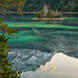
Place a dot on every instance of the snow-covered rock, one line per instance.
(60, 66)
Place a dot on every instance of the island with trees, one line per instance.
(46, 14)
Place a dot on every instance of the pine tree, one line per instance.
(6, 70)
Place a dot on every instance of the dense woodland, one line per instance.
(37, 5)
(64, 5)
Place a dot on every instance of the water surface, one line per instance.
(38, 43)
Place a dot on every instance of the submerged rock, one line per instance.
(27, 59)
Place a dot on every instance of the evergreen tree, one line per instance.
(5, 66)
(9, 5)
(6, 70)
(64, 5)
(6, 29)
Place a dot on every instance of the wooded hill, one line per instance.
(64, 5)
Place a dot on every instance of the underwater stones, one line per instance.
(28, 59)
(32, 60)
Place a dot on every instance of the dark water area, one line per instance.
(16, 17)
(70, 15)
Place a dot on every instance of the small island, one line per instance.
(46, 14)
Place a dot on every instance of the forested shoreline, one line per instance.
(64, 5)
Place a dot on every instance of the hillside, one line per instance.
(64, 5)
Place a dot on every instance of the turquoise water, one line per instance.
(37, 32)
(37, 42)
(23, 36)
(34, 34)
(72, 18)
(38, 25)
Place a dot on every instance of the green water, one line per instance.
(35, 31)
(25, 36)
(38, 25)
(38, 35)
(72, 18)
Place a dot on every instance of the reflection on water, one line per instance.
(60, 66)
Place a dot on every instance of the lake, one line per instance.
(39, 42)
